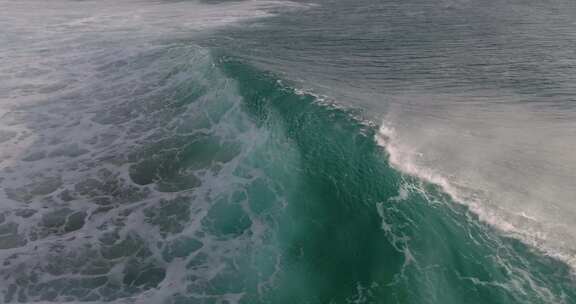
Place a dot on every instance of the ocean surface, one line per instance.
(275, 151)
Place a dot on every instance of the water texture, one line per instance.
(287, 152)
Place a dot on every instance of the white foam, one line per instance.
(85, 86)
(526, 228)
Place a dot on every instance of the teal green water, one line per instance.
(348, 233)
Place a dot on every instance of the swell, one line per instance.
(373, 233)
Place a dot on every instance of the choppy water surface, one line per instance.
(288, 152)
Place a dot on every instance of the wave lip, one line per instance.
(519, 226)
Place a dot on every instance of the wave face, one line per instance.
(361, 231)
(151, 153)
(474, 96)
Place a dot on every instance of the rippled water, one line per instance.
(287, 152)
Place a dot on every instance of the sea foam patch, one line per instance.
(122, 155)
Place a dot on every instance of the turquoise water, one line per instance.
(357, 230)
(283, 152)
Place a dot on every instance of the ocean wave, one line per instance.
(141, 169)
